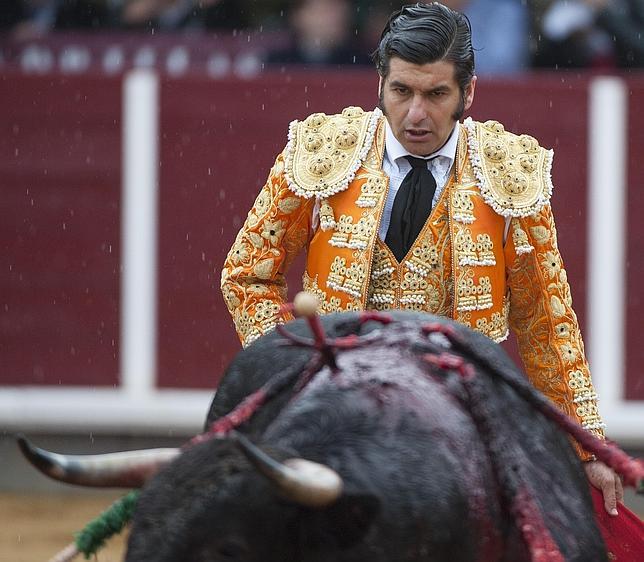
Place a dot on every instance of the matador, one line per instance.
(486, 255)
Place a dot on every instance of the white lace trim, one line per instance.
(413, 299)
(594, 425)
(503, 337)
(465, 219)
(423, 272)
(590, 396)
(524, 249)
(358, 245)
(472, 261)
(380, 272)
(327, 224)
(381, 299)
(473, 307)
(341, 288)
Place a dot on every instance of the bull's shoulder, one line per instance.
(513, 171)
(325, 151)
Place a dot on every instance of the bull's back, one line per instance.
(394, 428)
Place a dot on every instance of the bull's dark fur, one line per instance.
(420, 483)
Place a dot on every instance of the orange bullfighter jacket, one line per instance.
(487, 256)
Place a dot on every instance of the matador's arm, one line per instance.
(253, 276)
(546, 326)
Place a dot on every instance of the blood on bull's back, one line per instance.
(431, 469)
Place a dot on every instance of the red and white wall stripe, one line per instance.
(125, 192)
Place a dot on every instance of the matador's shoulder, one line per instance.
(513, 171)
(325, 151)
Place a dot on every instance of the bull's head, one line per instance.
(216, 496)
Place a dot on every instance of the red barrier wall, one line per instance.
(634, 367)
(60, 167)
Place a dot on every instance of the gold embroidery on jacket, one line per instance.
(371, 191)
(384, 284)
(585, 396)
(327, 305)
(325, 151)
(349, 271)
(252, 280)
(479, 275)
(520, 239)
(513, 172)
(472, 295)
(423, 281)
(346, 278)
(485, 247)
(464, 247)
(343, 227)
(471, 253)
(463, 208)
(327, 219)
(496, 328)
(337, 275)
(354, 236)
(548, 351)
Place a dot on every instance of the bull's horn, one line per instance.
(128, 469)
(305, 482)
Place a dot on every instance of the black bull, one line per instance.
(439, 456)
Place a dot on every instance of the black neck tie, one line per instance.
(412, 206)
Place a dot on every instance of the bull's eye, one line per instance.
(232, 549)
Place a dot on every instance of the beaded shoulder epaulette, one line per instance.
(325, 151)
(513, 171)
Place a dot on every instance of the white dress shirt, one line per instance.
(396, 166)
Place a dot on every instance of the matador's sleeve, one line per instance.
(546, 326)
(252, 278)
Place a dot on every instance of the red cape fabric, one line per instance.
(623, 534)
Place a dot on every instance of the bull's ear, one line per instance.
(350, 518)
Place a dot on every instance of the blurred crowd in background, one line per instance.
(509, 36)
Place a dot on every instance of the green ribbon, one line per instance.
(109, 523)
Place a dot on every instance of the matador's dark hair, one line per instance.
(426, 33)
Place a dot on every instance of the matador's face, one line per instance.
(421, 102)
